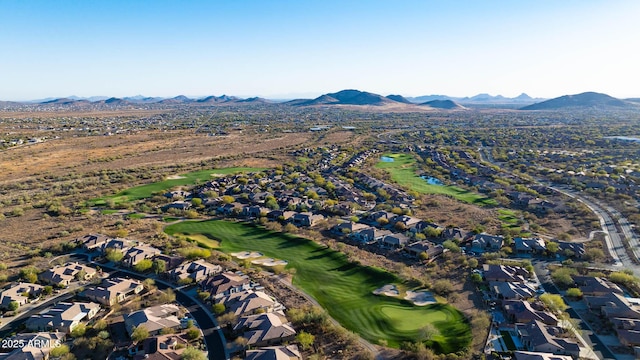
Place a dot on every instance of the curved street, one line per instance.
(212, 334)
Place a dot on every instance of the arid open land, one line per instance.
(351, 226)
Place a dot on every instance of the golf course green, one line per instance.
(403, 172)
(343, 288)
(147, 190)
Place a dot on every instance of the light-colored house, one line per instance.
(485, 242)
(512, 291)
(117, 244)
(628, 331)
(454, 234)
(63, 317)
(530, 355)
(504, 273)
(348, 228)
(280, 215)
(536, 336)
(65, 274)
(306, 219)
(576, 250)
(197, 270)
(21, 293)
(138, 253)
(529, 245)
(161, 347)
(154, 319)
(31, 346)
(408, 222)
(93, 241)
(285, 352)
(596, 286)
(249, 302)
(369, 235)
(520, 311)
(265, 329)
(432, 250)
(396, 241)
(114, 290)
(225, 284)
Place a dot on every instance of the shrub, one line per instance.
(219, 308)
(574, 293)
(139, 334)
(305, 339)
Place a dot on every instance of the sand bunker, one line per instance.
(387, 290)
(247, 255)
(269, 262)
(420, 298)
(175, 177)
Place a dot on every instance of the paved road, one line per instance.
(601, 350)
(212, 334)
(12, 325)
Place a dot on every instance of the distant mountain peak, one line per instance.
(399, 98)
(443, 104)
(585, 100)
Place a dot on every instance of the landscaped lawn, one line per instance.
(344, 289)
(146, 191)
(403, 171)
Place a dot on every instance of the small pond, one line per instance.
(432, 181)
(386, 159)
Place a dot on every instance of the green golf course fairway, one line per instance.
(344, 289)
(403, 171)
(146, 191)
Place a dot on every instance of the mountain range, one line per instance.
(356, 98)
(592, 100)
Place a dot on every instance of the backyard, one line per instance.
(343, 288)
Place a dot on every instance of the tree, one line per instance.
(442, 287)
(80, 275)
(100, 325)
(79, 330)
(553, 302)
(204, 295)
(228, 199)
(473, 263)
(47, 290)
(452, 246)
(562, 276)
(594, 255)
(140, 333)
(193, 333)
(476, 278)
(197, 202)
(159, 266)
(552, 247)
(113, 255)
(219, 308)
(13, 306)
(29, 274)
(427, 332)
(305, 339)
(191, 353)
(143, 265)
(59, 351)
(289, 228)
(574, 293)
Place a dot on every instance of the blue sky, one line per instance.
(285, 49)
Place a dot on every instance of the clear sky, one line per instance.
(285, 49)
